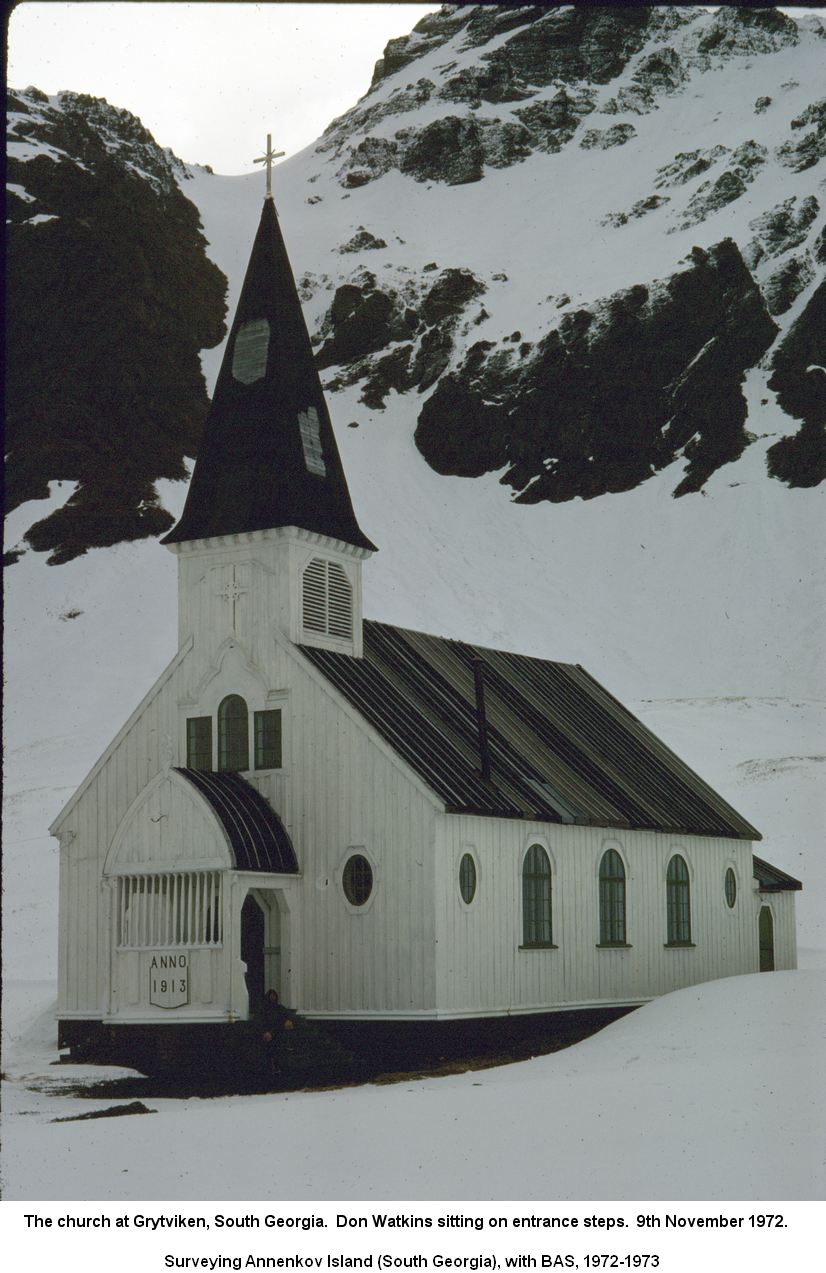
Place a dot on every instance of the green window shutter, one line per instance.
(233, 734)
(268, 739)
(199, 742)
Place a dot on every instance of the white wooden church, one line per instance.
(380, 824)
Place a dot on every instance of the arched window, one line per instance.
(233, 734)
(611, 899)
(536, 898)
(678, 902)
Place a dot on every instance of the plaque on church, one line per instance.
(249, 357)
(168, 979)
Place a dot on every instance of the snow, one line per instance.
(710, 1092)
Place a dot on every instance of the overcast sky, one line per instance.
(211, 79)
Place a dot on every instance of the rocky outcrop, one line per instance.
(799, 381)
(803, 151)
(113, 297)
(781, 228)
(618, 391)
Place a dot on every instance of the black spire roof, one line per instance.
(268, 456)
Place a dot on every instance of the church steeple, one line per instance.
(268, 457)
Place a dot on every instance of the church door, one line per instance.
(252, 950)
(766, 929)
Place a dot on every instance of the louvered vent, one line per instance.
(327, 599)
(315, 596)
(339, 602)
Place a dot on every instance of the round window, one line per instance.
(467, 879)
(357, 879)
(730, 886)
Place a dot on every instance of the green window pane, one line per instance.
(536, 898)
(199, 742)
(268, 740)
(233, 734)
(678, 902)
(611, 899)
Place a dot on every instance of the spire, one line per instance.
(268, 456)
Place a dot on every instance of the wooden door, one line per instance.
(252, 951)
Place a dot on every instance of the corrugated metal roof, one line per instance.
(562, 749)
(773, 880)
(256, 833)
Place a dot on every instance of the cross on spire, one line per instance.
(267, 160)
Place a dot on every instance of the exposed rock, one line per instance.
(799, 381)
(638, 209)
(662, 72)
(730, 185)
(603, 139)
(449, 295)
(739, 32)
(801, 153)
(663, 365)
(493, 82)
(689, 164)
(454, 149)
(116, 291)
(819, 249)
(782, 288)
(362, 241)
(552, 123)
(783, 227)
(762, 104)
(371, 158)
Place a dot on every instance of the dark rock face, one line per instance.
(802, 152)
(552, 123)
(615, 393)
(799, 380)
(782, 288)
(783, 227)
(730, 185)
(113, 299)
(364, 320)
(603, 139)
(362, 241)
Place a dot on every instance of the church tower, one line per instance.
(268, 513)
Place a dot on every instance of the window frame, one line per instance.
(678, 902)
(353, 855)
(613, 901)
(537, 899)
(193, 749)
(235, 739)
(464, 876)
(730, 874)
(258, 716)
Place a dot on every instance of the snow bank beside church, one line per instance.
(711, 1092)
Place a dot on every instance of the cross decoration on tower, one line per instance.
(267, 159)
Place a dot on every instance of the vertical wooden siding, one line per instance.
(482, 968)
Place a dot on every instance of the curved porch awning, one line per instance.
(255, 832)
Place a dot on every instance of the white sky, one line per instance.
(210, 79)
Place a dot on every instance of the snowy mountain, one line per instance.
(559, 266)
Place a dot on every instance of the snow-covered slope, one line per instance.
(698, 1069)
(705, 613)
